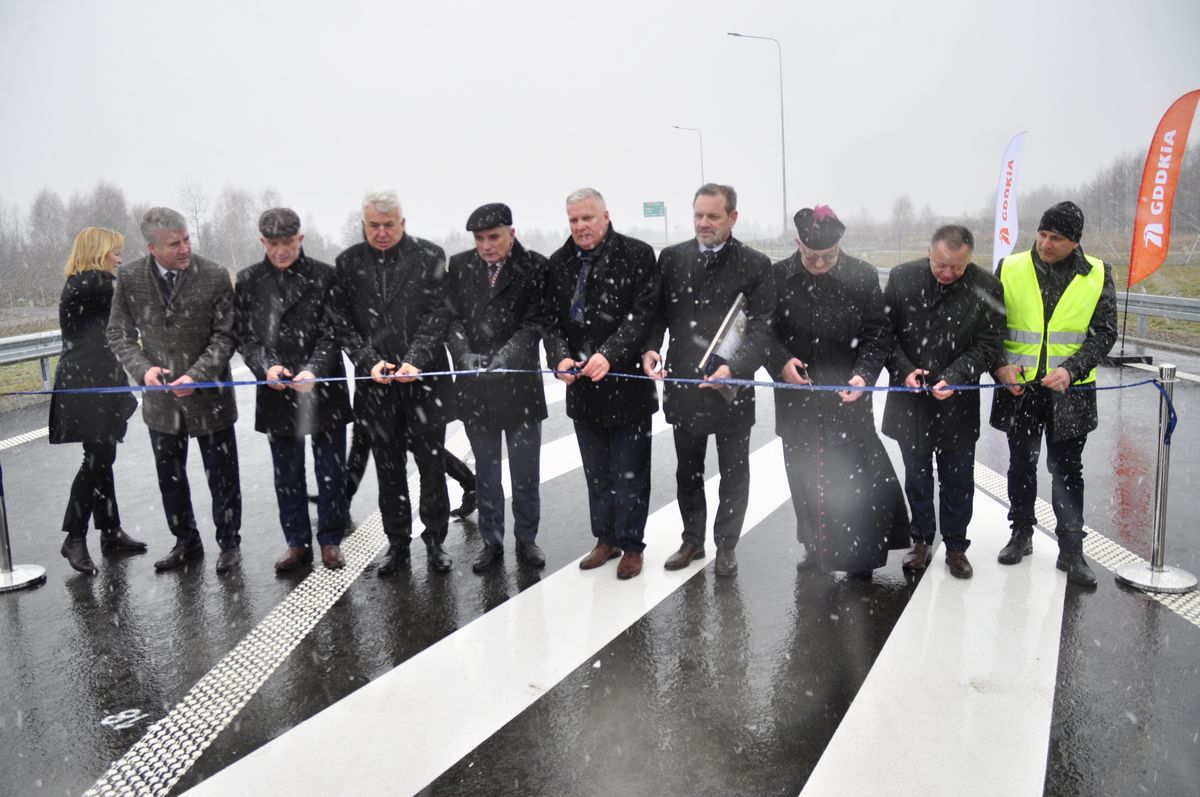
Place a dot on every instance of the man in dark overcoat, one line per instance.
(1061, 321)
(601, 296)
(282, 337)
(495, 295)
(946, 313)
(701, 281)
(389, 313)
(172, 324)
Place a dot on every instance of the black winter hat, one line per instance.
(818, 228)
(485, 217)
(1065, 218)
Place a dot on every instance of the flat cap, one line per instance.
(485, 217)
(278, 223)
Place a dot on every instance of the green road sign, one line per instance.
(654, 209)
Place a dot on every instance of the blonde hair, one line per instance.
(91, 247)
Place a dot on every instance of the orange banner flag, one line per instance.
(1152, 225)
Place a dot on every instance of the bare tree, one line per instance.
(194, 203)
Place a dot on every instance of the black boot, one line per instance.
(117, 540)
(1020, 545)
(395, 558)
(74, 550)
(439, 560)
(1071, 560)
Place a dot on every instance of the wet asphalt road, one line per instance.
(734, 684)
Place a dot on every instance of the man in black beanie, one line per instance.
(1062, 321)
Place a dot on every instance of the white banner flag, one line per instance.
(1006, 200)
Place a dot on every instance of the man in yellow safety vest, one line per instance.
(1062, 321)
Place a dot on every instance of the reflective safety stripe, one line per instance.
(1023, 360)
(1053, 362)
(1021, 336)
(1068, 337)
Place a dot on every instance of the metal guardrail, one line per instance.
(40, 346)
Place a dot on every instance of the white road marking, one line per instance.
(1154, 370)
(28, 437)
(502, 662)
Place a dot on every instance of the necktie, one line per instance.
(580, 288)
(710, 257)
(493, 273)
(171, 277)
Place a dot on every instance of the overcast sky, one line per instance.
(455, 104)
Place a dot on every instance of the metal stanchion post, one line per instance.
(18, 576)
(1156, 576)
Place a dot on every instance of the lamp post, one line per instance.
(782, 136)
(701, 135)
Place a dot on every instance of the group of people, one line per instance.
(613, 320)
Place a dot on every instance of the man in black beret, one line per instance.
(280, 322)
(1062, 321)
(494, 292)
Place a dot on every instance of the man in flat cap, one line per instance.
(601, 297)
(389, 314)
(495, 297)
(702, 280)
(172, 324)
(282, 335)
(1062, 321)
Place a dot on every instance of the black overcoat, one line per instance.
(836, 323)
(280, 320)
(694, 300)
(501, 324)
(408, 325)
(621, 297)
(86, 361)
(954, 332)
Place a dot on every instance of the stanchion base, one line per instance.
(22, 576)
(1143, 577)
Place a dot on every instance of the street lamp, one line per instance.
(787, 219)
(701, 135)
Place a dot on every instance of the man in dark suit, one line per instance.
(495, 295)
(282, 336)
(702, 279)
(601, 296)
(180, 305)
(946, 313)
(389, 313)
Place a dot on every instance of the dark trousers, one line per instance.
(616, 464)
(219, 453)
(524, 444)
(733, 462)
(360, 452)
(1064, 459)
(291, 486)
(391, 459)
(956, 494)
(93, 492)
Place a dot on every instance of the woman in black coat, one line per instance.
(832, 329)
(96, 420)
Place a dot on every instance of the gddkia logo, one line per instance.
(1005, 236)
(1152, 235)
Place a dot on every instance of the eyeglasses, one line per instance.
(828, 258)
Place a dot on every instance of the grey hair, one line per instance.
(382, 200)
(157, 220)
(580, 194)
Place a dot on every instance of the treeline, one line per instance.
(34, 244)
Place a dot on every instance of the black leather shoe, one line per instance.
(531, 554)
(229, 559)
(439, 560)
(393, 560)
(74, 550)
(489, 557)
(117, 540)
(466, 507)
(181, 553)
(1020, 545)
(687, 553)
(726, 562)
(957, 562)
(1076, 567)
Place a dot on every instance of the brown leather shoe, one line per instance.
(686, 554)
(919, 557)
(630, 565)
(295, 556)
(958, 564)
(331, 557)
(599, 555)
(726, 562)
